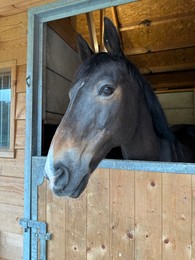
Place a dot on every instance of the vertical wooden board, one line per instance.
(193, 217)
(56, 225)
(122, 214)
(148, 215)
(42, 201)
(177, 218)
(20, 134)
(21, 106)
(13, 167)
(21, 79)
(76, 228)
(11, 245)
(11, 190)
(98, 215)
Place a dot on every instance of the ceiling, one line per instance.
(157, 36)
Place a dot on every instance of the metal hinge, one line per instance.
(40, 227)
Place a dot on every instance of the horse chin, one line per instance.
(73, 193)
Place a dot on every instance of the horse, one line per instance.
(111, 105)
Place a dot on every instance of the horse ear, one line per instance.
(84, 50)
(111, 38)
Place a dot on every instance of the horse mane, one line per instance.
(159, 120)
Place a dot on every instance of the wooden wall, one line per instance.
(123, 215)
(61, 64)
(179, 107)
(13, 39)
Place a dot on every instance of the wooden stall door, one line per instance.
(123, 215)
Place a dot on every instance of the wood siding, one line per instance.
(13, 41)
(179, 107)
(123, 215)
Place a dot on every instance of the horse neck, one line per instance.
(146, 144)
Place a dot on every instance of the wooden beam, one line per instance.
(170, 68)
(159, 48)
(92, 31)
(157, 21)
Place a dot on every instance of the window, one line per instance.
(7, 108)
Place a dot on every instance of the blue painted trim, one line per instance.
(164, 167)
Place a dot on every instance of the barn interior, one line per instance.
(158, 37)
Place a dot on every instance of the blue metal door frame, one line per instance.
(37, 17)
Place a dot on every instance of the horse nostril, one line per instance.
(61, 178)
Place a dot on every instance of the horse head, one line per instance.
(97, 118)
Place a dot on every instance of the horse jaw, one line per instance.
(68, 172)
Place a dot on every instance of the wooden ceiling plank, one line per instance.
(92, 31)
(157, 21)
(170, 68)
(160, 48)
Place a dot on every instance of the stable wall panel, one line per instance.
(13, 167)
(20, 134)
(13, 28)
(20, 106)
(15, 242)
(123, 214)
(11, 190)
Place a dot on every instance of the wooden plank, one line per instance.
(98, 244)
(122, 199)
(14, 50)
(140, 11)
(69, 60)
(11, 190)
(9, 217)
(92, 32)
(76, 235)
(65, 30)
(11, 245)
(176, 100)
(21, 6)
(148, 195)
(165, 59)
(20, 106)
(20, 134)
(180, 116)
(13, 27)
(56, 224)
(193, 216)
(177, 217)
(21, 79)
(13, 167)
(57, 93)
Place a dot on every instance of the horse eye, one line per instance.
(106, 90)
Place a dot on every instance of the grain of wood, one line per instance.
(148, 192)
(122, 199)
(193, 217)
(13, 167)
(55, 209)
(76, 218)
(21, 106)
(177, 217)
(98, 209)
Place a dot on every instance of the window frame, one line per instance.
(10, 152)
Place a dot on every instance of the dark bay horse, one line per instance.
(111, 105)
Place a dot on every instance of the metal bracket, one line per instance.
(41, 228)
